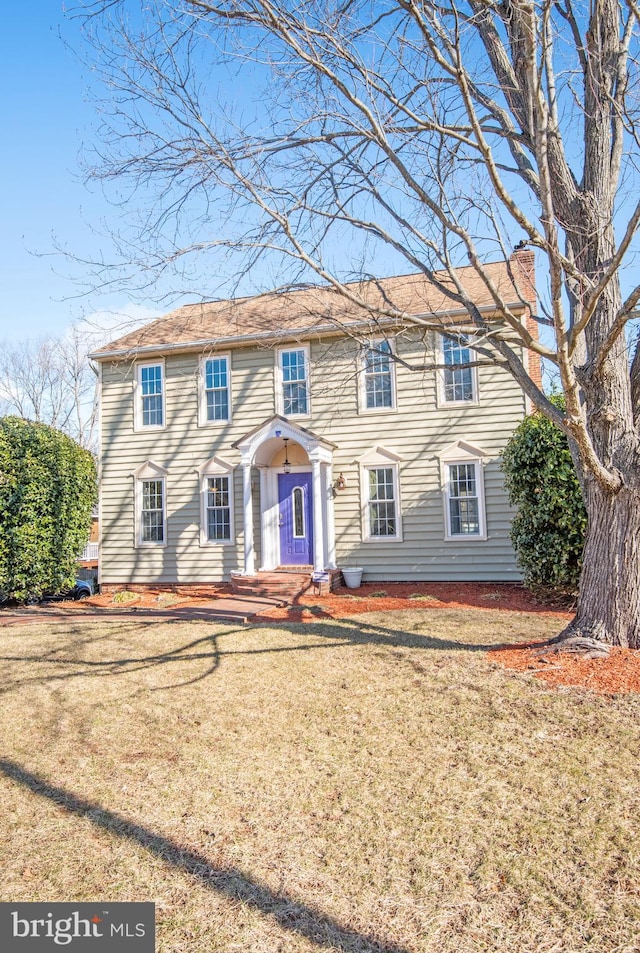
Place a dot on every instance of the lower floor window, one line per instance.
(382, 502)
(152, 512)
(463, 499)
(218, 508)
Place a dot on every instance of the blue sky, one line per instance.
(48, 118)
(45, 119)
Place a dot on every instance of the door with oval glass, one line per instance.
(296, 528)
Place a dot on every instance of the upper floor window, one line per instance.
(293, 398)
(149, 411)
(378, 391)
(215, 389)
(459, 382)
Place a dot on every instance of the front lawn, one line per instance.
(370, 784)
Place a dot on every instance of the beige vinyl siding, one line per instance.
(181, 447)
(417, 430)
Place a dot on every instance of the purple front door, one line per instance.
(296, 529)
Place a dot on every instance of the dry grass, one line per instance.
(375, 784)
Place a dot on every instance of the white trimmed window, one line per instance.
(152, 511)
(458, 383)
(149, 396)
(216, 508)
(215, 389)
(380, 489)
(463, 491)
(382, 504)
(293, 394)
(378, 386)
(150, 491)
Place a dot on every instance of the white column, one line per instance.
(331, 525)
(266, 535)
(318, 535)
(249, 554)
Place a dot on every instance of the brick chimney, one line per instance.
(523, 267)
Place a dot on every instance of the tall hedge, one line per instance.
(47, 491)
(550, 522)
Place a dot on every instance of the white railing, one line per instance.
(90, 552)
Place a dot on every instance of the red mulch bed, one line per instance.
(370, 597)
(385, 596)
(618, 673)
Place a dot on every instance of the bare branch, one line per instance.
(409, 134)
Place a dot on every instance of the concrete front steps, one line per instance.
(286, 584)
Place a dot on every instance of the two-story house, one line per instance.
(299, 430)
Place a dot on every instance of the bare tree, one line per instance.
(427, 135)
(51, 381)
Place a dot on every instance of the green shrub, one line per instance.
(47, 491)
(549, 526)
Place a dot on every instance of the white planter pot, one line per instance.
(352, 577)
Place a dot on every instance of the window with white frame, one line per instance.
(380, 487)
(215, 389)
(149, 410)
(216, 492)
(464, 503)
(463, 490)
(378, 383)
(381, 502)
(152, 512)
(293, 367)
(150, 505)
(218, 507)
(459, 382)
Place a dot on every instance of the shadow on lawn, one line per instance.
(227, 881)
(326, 634)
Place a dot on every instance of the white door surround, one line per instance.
(259, 448)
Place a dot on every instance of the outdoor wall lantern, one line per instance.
(341, 482)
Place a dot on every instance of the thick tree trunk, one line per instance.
(609, 601)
